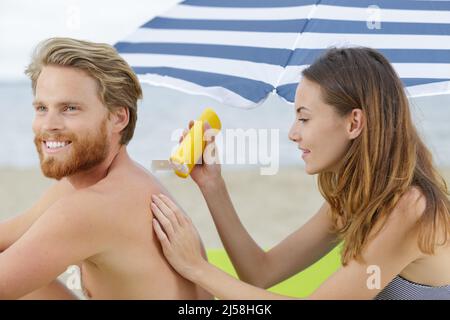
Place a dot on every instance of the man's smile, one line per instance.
(52, 146)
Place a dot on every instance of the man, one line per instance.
(97, 214)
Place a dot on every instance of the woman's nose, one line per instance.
(293, 134)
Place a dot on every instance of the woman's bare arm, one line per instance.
(255, 266)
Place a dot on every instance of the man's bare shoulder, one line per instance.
(125, 191)
(55, 192)
(81, 203)
(127, 182)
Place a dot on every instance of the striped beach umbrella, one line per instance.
(240, 51)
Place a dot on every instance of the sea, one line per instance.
(163, 113)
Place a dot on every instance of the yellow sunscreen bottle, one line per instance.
(191, 148)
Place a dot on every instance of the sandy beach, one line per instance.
(269, 206)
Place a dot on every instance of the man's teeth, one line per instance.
(56, 144)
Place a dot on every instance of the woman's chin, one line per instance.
(309, 170)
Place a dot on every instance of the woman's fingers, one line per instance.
(160, 234)
(166, 210)
(210, 154)
(163, 221)
(186, 131)
(172, 206)
(206, 126)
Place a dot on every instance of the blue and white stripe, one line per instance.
(402, 289)
(239, 52)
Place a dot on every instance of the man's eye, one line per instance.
(70, 108)
(303, 120)
(41, 109)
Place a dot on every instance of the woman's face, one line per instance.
(321, 134)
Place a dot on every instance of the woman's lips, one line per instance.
(305, 152)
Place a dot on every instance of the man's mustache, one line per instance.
(54, 137)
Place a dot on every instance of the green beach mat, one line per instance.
(300, 285)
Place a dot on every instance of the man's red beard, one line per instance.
(86, 152)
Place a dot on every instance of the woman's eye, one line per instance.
(303, 120)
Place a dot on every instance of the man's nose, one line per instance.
(52, 122)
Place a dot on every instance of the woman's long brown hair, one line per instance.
(385, 160)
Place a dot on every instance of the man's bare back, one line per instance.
(128, 263)
(134, 266)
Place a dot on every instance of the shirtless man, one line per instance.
(97, 214)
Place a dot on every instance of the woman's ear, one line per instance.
(121, 117)
(356, 123)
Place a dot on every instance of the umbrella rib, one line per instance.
(308, 19)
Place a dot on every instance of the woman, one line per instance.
(384, 198)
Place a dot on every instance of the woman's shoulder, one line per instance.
(406, 218)
(401, 223)
(411, 205)
(397, 231)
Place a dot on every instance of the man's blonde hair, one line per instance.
(118, 85)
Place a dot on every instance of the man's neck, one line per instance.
(90, 177)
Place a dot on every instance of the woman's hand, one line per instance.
(179, 239)
(209, 170)
(181, 246)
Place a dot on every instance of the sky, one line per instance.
(23, 23)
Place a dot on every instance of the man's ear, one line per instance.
(356, 123)
(120, 117)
